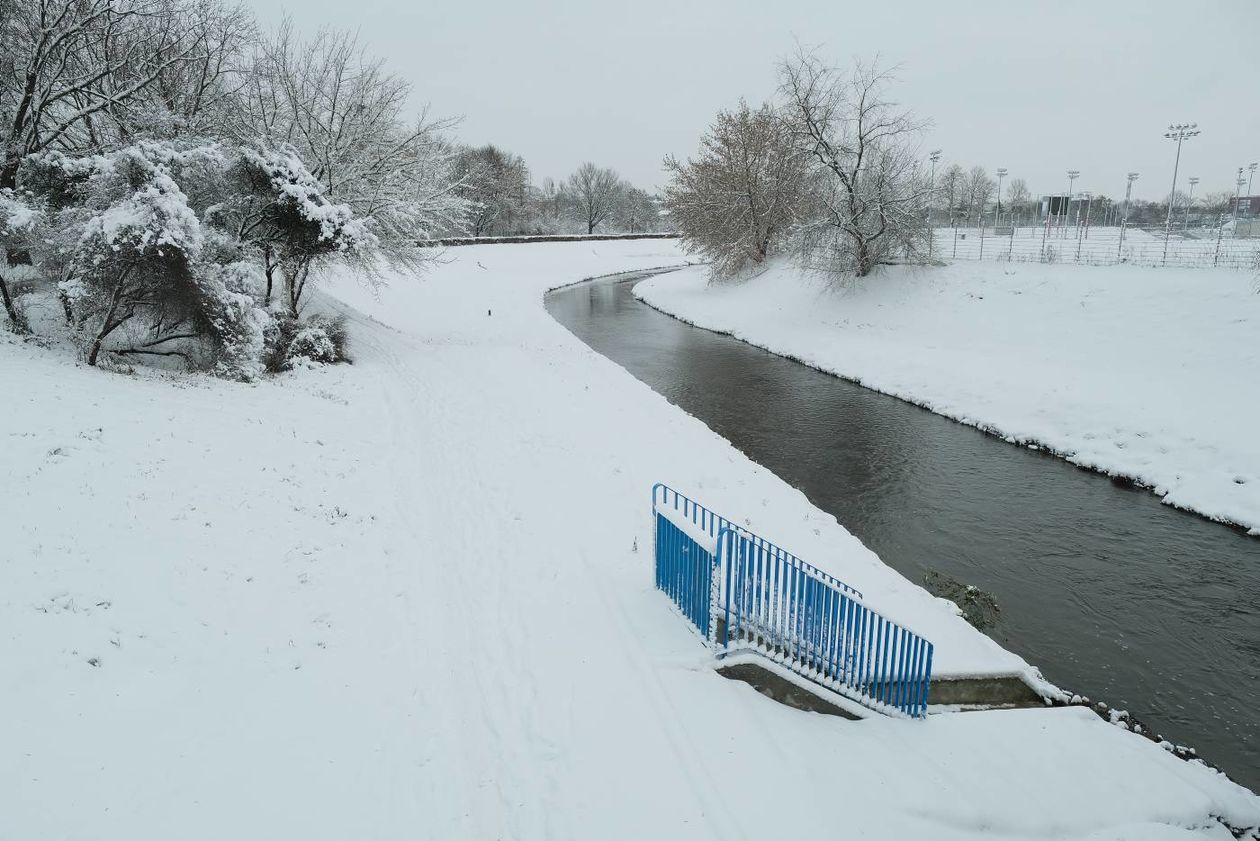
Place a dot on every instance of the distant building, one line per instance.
(1247, 205)
(1056, 205)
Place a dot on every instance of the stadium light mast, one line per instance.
(1072, 175)
(933, 156)
(1124, 220)
(997, 211)
(1189, 202)
(1179, 132)
(1252, 168)
(1237, 193)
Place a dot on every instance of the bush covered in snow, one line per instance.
(163, 188)
(318, 340)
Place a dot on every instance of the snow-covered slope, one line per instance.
(1146, 373)
(412, 597)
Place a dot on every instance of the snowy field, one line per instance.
(1100, 246)
(1138, 372)
(412, 596)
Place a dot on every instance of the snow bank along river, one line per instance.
(1112, 594)
(412, 597)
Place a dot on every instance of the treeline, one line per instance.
(505, 202)
(175, 179)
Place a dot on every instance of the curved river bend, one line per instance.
(1110, 593)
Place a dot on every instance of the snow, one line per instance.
(402, 598)
(1136, 372)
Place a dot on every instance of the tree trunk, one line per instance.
(108, 325)
(8, 172)
(269, 269)
(590, 227)
(19, 323)
(864, 262)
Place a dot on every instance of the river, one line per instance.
(1110, 593)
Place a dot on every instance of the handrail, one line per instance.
(744, 593)
(782, 610)
(713, 523)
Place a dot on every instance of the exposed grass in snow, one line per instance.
(1140, 373)
(402, 599)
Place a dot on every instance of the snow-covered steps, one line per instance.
(747, 596)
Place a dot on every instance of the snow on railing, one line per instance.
(744, 594)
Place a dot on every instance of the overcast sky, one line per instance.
(1036, 87)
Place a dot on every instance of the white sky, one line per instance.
(1036, 87)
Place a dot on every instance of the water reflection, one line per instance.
(1112, 594)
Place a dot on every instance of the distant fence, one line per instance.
(1098, 246)
(455, 241)
(743, 593)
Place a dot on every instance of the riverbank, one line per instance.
(414, 595)
(1137, 373)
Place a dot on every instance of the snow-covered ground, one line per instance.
(412, 597)
(1146, 373)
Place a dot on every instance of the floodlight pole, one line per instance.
(1185, 226)
(934, 156)
(1072, 175)
(1237, 193)
(997, 211)
(1124, 220)
(1179, 132)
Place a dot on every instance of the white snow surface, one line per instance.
(1139, 372)
(401, 599)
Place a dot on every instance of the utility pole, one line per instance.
(1179, 132)
(1124, 220)
(933, 156)
(1190, 201)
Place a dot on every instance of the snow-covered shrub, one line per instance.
(134, 253)
(228, 286)
(282, 210)
(320, 339)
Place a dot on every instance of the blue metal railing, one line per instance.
(781, 610)
(743, 593)
(665, 497)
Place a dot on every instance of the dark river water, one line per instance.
(1113, 595)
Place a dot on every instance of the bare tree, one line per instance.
(595, 192)
(864, 154)
(76, 63)
(951, 188)
(1018, 197)
(495, 183)
(978, 188)
(198, 94)
(637, 211)
(346, 117)
(737, 200)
